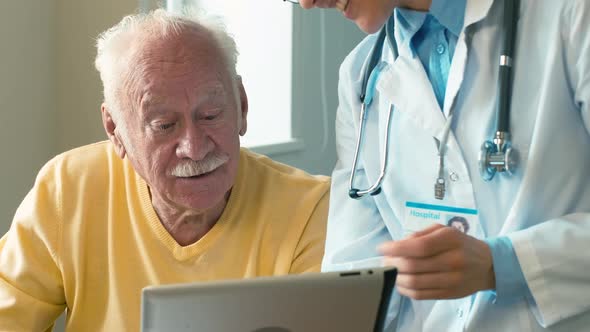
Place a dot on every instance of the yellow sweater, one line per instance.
(87, 238)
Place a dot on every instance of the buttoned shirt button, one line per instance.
(440, 49)
(454, 177)
(460, 313)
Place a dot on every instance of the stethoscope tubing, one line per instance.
(369, 80)
(505, 70)
(500, 151)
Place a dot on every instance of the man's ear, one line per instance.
(244, 107)
(111, 129)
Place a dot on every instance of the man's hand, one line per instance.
(440, 263)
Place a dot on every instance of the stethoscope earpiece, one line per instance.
(354, 193)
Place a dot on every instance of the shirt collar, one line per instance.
(408, 22)
(449, 13)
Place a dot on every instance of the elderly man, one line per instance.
(169, 198)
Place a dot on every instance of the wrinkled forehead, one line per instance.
(190, 61)
(154, 98)
(190, 45)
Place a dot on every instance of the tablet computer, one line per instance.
(347, 301)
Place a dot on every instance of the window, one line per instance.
(289, 61)
(265, 47)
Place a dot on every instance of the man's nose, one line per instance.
(194, 143)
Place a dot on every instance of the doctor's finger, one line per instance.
(427, 230)
(446, 261)
(424, 281)
(430, 294)
(431, 244)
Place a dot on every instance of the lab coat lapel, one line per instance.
(405, 85)
(475, 11)
(456, 74)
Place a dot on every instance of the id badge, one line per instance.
(419, 216)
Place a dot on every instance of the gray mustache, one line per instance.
(193, 168)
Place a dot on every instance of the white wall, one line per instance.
(27, 98)
(80, 92)
(50, 94)
(341, 36)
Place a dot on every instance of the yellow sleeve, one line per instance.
(310, 249)
(31, 288)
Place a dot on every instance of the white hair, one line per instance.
(113, 58)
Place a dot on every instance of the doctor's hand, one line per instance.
(440, 262)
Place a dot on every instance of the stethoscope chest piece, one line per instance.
(496, 158)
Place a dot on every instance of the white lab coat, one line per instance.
(544, 208)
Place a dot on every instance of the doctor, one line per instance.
(524, 263)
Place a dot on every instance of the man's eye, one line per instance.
(211, 115)
(165, 126)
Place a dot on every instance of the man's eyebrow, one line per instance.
(156, 105)
(153, 108)
(150, 101)
(214, 92)
(215, 95)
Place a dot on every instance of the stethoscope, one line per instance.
(496, 156)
